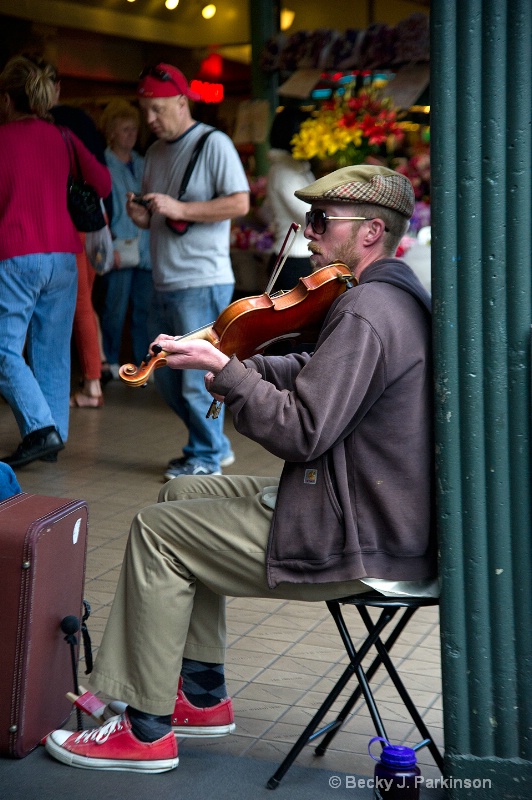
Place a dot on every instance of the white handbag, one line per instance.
(99, 249)
(128, 250)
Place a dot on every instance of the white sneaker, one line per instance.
(188, 467)
(228, 459)
(225, 461)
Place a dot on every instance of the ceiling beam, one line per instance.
(117, 23)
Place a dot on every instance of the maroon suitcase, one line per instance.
(43, 546)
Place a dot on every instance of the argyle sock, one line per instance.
(203, 683)
(148, 727)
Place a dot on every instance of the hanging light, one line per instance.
(171, 4)
(208, 12)
(287, 17)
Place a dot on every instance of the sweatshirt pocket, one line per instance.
(308, 522)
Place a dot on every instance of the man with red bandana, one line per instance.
(192, 273)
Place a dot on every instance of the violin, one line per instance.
(250, 325)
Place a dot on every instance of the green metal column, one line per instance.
(481, 113)
(264, 22)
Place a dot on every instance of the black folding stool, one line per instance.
(389, 606)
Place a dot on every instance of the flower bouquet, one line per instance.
(347, 129)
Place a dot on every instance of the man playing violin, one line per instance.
(351, 512)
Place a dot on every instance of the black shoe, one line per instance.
(37, 444)
(51, 457)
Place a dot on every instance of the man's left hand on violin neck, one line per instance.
(191, 354)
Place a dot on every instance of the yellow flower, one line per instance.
(336, 129)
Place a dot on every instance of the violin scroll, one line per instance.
(138, 376)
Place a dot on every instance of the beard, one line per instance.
(343, 253)
(315, 257)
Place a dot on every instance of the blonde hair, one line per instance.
(396, 223)
(115, 110)
(30, 84)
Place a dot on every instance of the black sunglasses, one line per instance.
(317, 219)
(158, 73)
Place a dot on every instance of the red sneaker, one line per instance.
(114, 747)
(189, 720)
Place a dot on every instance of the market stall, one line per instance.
(367, 97)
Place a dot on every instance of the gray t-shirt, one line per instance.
(201, 256)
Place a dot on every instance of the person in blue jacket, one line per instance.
(8, 482)
(130, 282)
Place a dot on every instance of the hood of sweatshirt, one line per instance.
(397, 273)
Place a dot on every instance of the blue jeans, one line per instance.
(37, 303)
(122, 287)
(178, 313)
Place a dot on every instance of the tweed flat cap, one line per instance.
(363, 183)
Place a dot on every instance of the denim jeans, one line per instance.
(177, 313)
(122, 287)
(37, 302)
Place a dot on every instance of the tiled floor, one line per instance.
(283, 656)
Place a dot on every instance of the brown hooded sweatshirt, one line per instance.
(354, 423)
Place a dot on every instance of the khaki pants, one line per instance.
(205, 539)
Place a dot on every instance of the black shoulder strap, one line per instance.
(75, 169)
(192, 163)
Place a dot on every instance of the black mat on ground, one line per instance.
(199, 776)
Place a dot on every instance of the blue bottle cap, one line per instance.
(398, 756)
(393, 755)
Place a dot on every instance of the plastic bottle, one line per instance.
(396, 772)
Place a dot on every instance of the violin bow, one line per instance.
(279, 264)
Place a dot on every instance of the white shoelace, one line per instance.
(100, 735)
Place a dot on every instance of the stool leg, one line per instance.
(355, 667)
(307, 734)
(310, 731)
(402, 691)
(356, 659)
(370, 672)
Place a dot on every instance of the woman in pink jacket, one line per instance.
(38, 243)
